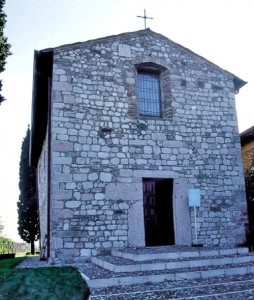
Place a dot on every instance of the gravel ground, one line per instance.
(32, 262)
(234, 288)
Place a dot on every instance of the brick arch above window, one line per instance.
(158, 62)
(150, 66)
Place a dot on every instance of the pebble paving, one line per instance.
(237, 287)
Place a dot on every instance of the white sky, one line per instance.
(219, 30)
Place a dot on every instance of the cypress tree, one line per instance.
(28, 224)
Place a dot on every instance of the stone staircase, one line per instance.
(158, 264)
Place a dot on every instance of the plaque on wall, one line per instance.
(194, 197)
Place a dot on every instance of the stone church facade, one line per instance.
(122, 128)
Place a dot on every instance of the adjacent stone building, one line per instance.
(247, 142)
(122, 128)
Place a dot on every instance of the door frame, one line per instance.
(181, 210)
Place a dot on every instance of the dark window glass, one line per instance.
(149, 95)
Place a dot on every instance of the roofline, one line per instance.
(247, 135)
(34, 89)
(42, 73)
(247, 131)
(238, 82)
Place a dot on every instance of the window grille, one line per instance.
(149, 94)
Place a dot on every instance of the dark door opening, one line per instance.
(158, 212)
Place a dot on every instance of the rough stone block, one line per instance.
(61, 195)
(124, 50)
(124, 191)
(72, 204)
(62, 86)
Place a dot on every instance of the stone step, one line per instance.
(174, 252)
(107, 278)
(230, 287)
(122, 265)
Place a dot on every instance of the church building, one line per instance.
(129, 133)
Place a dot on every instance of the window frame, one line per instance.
(145, 86)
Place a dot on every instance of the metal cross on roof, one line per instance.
(144, 17)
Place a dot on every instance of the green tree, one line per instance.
(28, 224)
(6, 244)
(1, 227)
(4, 46)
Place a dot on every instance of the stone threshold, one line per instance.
(175, 252)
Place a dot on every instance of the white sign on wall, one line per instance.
(194, 197)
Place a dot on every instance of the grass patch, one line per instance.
(40, 283)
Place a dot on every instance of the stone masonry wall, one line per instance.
(100, 146)
(42, 188)
(248, 156)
